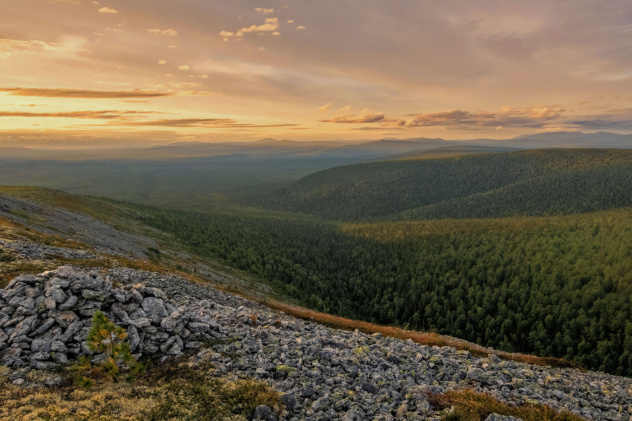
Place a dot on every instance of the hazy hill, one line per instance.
(536, 182)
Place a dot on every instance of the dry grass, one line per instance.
(167, 392)
(424, 338)
(472, 406)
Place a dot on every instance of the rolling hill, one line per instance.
(534, 182)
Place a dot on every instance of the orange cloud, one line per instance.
(264, 11)
(10, 47)
(222, 123)
(168, 32)
(270, 25)
(81, 93)
(526, 117)
(108, 10)
(366, 116)
(107, 115)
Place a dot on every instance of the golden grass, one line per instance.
(166, 392)
(473, 406)
(424, 338)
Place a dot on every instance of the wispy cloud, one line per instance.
(538, 118)
(271, 25)
(366, 116)
(11, 47)
(264, 11)
(106, 115)
(223, 123)
(108, 10)
(168, 32)
(81, 93)
(325, 107)
(533, 117)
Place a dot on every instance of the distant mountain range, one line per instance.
(326, 149)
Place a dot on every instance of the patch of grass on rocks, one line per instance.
(167, 391)
(472, 406)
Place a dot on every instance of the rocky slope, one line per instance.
(323, 373)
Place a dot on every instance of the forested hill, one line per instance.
(537, 182)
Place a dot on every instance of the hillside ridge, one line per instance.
(531, 182)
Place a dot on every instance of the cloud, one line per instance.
(270, 25)
(508, 117)
(80, 93)
(106, 115)
(108, 10)
(264, 11)
(366, 116)
(184, 67)
(526, 117)
(325, 107)
(162, 62)
(300, 27)
(11, 47)
(168, 32)
(223, 123)
(345, 108)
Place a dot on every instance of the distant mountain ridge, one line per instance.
(334, 148)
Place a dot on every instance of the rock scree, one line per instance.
(322, 373)
(45, 318)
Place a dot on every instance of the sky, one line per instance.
(157, 71)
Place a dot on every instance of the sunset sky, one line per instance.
(163, 70)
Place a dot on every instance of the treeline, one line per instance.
(535, 183)
(553, 286)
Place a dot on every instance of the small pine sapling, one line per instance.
(108, 339)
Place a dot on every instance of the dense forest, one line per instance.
(536, 183)
(555, 286)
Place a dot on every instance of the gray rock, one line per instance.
(288, 401)
(369, 388)
(119, 295)
(71, 331)
(264, 413)
(58, 295)
(353, 415)
(58, 346)
(168, 324)
(69, 303)
(44, 326)
(10, 356)
(64, 318)
(41, 345)
(65, 272)
(154, 308)
(133, 337)
(320, 404)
